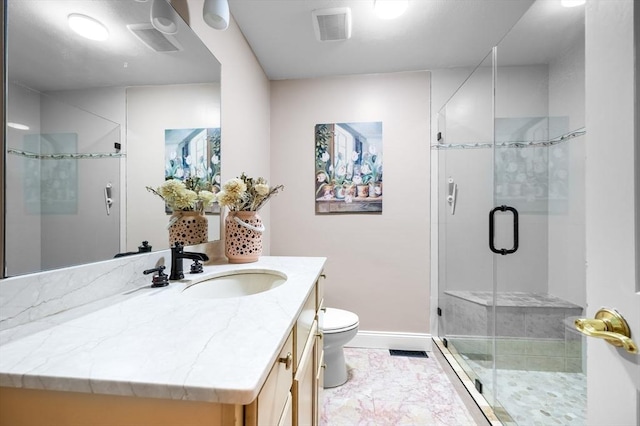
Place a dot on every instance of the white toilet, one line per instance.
(339, 327)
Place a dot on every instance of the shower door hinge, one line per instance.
(439, 312)
(478, 385)
(444, 342)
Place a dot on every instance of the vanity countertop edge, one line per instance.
(158, 343)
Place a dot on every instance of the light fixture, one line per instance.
(163, 17)
(389, 9)
(572, 3)
(216, 14)
(88, 27)
(17, 126)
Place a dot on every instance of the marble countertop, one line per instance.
(157, 342)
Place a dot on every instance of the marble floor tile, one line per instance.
(385, 390)
(540, 398)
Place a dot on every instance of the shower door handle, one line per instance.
(503, 251)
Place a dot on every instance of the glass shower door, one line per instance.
(465, 162)
(538, 224)
(511, 255)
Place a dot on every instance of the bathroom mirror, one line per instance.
(90, 123)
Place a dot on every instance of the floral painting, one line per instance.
(193, 156)
(348, 165)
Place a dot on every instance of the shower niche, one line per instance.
(511, 253)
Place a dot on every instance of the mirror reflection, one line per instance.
(91, 120)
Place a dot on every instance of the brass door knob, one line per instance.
(608, 324)
(287, 361)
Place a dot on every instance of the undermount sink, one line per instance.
(235, 285)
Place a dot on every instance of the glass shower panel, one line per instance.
(59, 173)
(465, 196)
(539, 101)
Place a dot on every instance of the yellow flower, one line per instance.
(171, 189)
(235, 186)
(178, 196)
(225, 198)
(207, 197)
(245, 193)
(262, 189)
(185, 200)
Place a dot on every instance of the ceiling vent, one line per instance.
(154, 39)
(332, 24)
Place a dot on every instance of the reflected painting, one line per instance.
(51, 173)
(348, 167)
(193, 156)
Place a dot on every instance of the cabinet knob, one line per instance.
(287, 361)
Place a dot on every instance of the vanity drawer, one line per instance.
(304, 383)
(270, 405)
(303, 327)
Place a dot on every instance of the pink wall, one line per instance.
(245, 96)
(378, 264)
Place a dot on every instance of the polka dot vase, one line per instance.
(243, 236)
(188, 228)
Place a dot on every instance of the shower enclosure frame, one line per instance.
(504, 353)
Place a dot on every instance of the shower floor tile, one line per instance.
(539, 398)
(393, 390)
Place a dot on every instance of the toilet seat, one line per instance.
(339, 320)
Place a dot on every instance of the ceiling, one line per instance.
(431, 34)
(45, 55)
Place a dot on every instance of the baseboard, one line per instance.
(388, 340)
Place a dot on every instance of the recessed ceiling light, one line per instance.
(572, 3)
(88, 27)
(389, 9)
(17, 126)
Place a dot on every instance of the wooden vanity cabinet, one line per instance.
(306, 381)
(289, 396)
(298, 403)
(319, 351)
(270, 407)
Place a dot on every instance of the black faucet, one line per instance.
(177, 254)
(144, 248)
(160, 279)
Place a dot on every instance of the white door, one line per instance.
(612, 180)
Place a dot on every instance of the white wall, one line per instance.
(110, 103)
(567, 245)
(465, 261)
(377, 263)
(56, 235)
(24, 107)
(88, 234)
(150, 111)
(99, 130)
